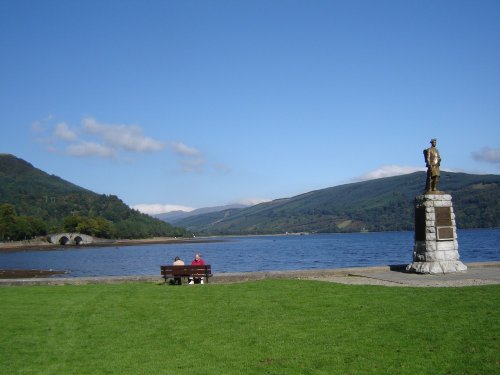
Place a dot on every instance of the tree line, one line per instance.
(14, 227)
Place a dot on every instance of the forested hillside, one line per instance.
(34, 203)
(377, 205)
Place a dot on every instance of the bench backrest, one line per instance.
(187, 270)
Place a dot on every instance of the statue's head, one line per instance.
(433, 141)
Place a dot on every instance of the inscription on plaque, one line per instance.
(443, 216)
(445, 233)
(419, 223)
(444, 229)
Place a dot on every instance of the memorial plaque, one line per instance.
(419, 223)
(443, 216)
(444, 233)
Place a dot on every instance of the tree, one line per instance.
(71, 223)
(7, 221)
(15, 228)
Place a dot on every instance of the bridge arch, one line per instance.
(70, 239)
(63, 240)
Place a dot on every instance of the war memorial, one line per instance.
(436, 244)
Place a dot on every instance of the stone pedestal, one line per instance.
(436, 246)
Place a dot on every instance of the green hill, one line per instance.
(384, 204)
(33, 202)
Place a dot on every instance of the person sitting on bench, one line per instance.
(197, 261)
(178, 262)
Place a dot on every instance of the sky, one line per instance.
(197, 103)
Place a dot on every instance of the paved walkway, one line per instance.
(477, 274)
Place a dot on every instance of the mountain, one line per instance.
(384, 204)
(31, 198)
(175, 216)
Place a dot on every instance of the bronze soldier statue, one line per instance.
(432, 161)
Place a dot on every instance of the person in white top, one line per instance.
(178, 262)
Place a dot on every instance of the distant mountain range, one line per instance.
(384, 204)
(174, 216)
(32, 201)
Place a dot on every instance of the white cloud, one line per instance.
(128, 137)
(63, 131)
(95, 139)
(181, 149)
(190, 159)
(38, 126)
(192, 165)
(90, 149)
(157, 208)
(253, 201)
(388, 171)
(487, 154)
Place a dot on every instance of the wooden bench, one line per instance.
(178, 272)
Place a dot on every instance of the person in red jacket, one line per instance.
(197, 261)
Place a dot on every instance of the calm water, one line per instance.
(244, 254)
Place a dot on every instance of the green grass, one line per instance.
(264, 327)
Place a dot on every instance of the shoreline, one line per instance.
(43, 245)
(478, 273)
(39, 245)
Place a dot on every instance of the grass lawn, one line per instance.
(262, 327)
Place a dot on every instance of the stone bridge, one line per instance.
(70, 239)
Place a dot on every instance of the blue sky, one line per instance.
(205, 103)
